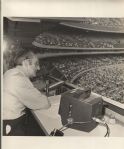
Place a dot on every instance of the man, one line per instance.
(19, 93)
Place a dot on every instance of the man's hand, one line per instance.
(39, 84)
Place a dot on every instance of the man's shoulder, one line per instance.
(15, 77)
(14, 72)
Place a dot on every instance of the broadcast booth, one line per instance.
(87, 44)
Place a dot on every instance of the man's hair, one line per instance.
(23, 54)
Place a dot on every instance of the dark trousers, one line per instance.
(25, 125)
(18, 126)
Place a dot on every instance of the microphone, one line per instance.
(47, 87)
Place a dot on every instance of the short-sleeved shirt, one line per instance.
(19, 93)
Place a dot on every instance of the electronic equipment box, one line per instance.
(80, 106)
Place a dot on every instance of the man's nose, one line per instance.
(38, 67)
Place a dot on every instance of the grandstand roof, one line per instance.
(76, 23)
(95, 28)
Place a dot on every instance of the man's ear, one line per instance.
(29, 61)
(25, 62)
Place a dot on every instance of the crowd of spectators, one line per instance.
(103, 74)
(62, 39)
(71, 66)
(106, 81)
(106, 22)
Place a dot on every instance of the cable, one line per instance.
(53, 133)
(70, 121)
(64, 126)
(104, 124)
(108, 131)
(73, 123)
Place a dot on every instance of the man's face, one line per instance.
(33, 66)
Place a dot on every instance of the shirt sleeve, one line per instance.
(27, 94)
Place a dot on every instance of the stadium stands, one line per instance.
(106, 81)
(70, 66)
(60, 39)
(109, 22)
(103, 74)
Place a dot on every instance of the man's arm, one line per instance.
(33, 99)
(28, 94)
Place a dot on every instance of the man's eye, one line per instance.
(37, 63)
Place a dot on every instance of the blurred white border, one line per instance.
(66, 8)
(62, 8)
